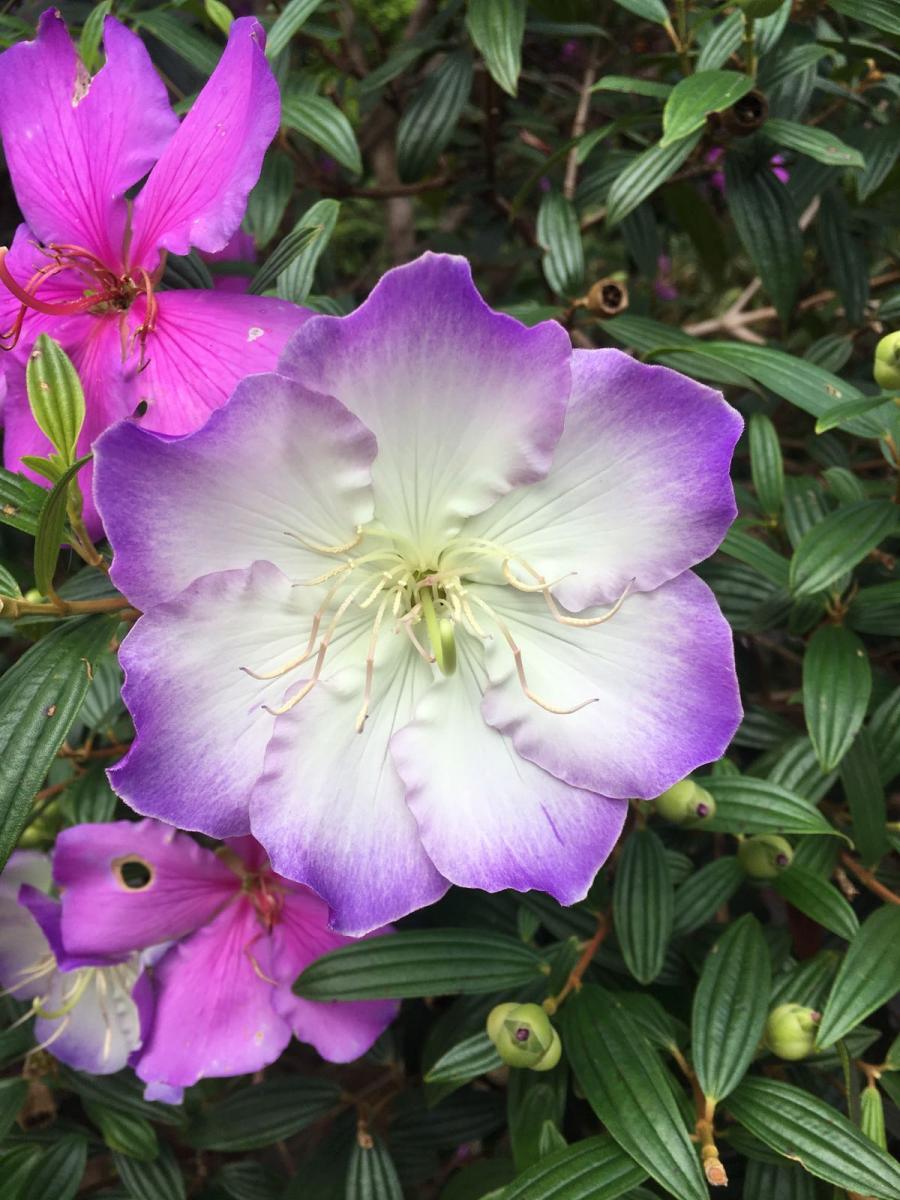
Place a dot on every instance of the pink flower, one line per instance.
(87, 265)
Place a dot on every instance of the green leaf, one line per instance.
(839, 542)
(21, 502)
(819, 899)
(807, 983)
(55, 395)
(885, 730)
(268, 201)
(296, 280)
(804, 1128)
(187, 271)
(695, 96)
(650, 10)
(861, 777)
(220, 14)
(311, 228)
(703, 893)
(195, 48)
(51, 526)
(559, 234)
(430, 118)
(633, 86)
(755, 553)
(730, 1007)
(533, 1102)
(871, 1120)
(766, 464)
(766, 222)
(628, 1089)
(868, 977)
(643, 904)
(777, 1180)
(844, 253)
(837, 684)
(12, 1096)
(249, 1180)
(157, 1180)
(593, 1169)
(323, 123)
(263, 1113)
(748, 805)
(722, 42)
(287, 23)
(426, 962)
(497, 28)
(475, 1056)
(58, 1171)
(127, 1134)
(39, 697)
(817, 143)
(882, 14)
(838, 416)
(91, 33)
(644, 175)
(371, 1174)
(122, 1092)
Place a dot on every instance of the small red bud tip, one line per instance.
(782, 860)
(815, 1017)
(522, 1034)
(702, 810)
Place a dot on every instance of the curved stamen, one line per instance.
(320, 549)
(587, 622)
(370, 664)
(62, 308)
(531, 587)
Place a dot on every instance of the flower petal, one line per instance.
(26, 866)
(488, 818)
(47, 912)
(26, 960)
(214, 1013)
(100, 1032)
(73, 144)
(197, 192)
(660, 674)
(329, 805)
(639, 489)
(466, 403)
(201, 731)
(275, 461)
(340, 1030)
(187, 885)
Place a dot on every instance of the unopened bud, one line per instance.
(685, 801)
(524, 1036)
(886, 368)
(765, 856)
(791, 1031)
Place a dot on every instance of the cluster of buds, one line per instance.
(790, 1031)
(765, 856)
(685, 801)
(524, 1036)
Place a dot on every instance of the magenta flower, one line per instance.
(717, 178)
(221, 996)
(451, 627)
(87, 265)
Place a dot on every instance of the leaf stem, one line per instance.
(573, 983)
(13, 608)
(868, 880)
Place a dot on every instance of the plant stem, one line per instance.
(867, 879)
(12, 608)
(573, 983)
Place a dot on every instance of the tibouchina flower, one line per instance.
(223, 1003)
(417, 608)
(86, 1015)
(87, 265)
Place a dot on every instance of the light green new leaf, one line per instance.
(55, 395)
(730, 1007)
(695, 96)
(868, 976)
(497, 28)
(49, 534)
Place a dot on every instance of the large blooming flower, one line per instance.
(85, 1013)
(86, 266)
(220, 997)
(417, 608)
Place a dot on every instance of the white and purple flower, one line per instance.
(418, 607)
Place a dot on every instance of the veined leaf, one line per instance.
(703, 893)
(560, 235)
(644, 175)
(748, 805)
(593, 1169)
(817, 143)
(288, 22)
(837, 683)
(642, 904)
(263, 1114)
(371, 1174)
(861, 777)
(158, 1180)
(323, 123)
(766, 221)
(819, 899)
(697, 95)
(839, 542)
(51, 525)
(430, 119)
(766, 463)
(475, 1056)
(55, 395)
(58, 1170)
(868, 976)
(497, 28)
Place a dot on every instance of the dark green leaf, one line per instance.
(766, 222)
(730, 1007)
(127, 1134)
(497, 27)
(475, 1056)
(837, 683)
(627, 1088)
(804, 1128)
(124, 1092)
(51, 525)
(21, 502)
(287, 23)
(755, 553)
(868, 976)
(777, 1181)
(650, 10)
(296, 280)
(559, 234)
(819, 899)
(766, 464)
(593, 1169)
(883, 14)
(371, 1175)
(748, 805)
(12, 1096)
(264, 1113)
(642, 904)
(844, 253)
(876, 609)
(697, 95)
(819, 144)
(39, 697)
(644, 175)
(157, 1180)
(250, 1180)
(861, 777)
(58, 1171)
(839, 542)
(703, 893)
(430, 119)
(194, 47)
(267, 202)
(323, 123)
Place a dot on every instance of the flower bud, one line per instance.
(685, 801)
(765, 856)
(886, 368)
(524, 1036)
(791, 1031)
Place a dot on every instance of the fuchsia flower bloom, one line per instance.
(86, 267)
(717, 178)
(418, 607)
(84, 1007)
(219, 1001)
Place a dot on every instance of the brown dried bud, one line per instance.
(746, 115)
(607, 297)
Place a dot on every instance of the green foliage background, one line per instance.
(565, 147)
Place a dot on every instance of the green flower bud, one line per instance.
(552, 1057)
(523, 1035)
(765, 856)
(791, 1031)
(686, 801)
(887, 362)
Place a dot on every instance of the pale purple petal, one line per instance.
(466, 403)
(659, 674)
(73, 144)
(276, 462)
(26, 866)
(201, 730)
(340, 1030)
(26, 960)
(639, 489)
(214, 1013)
(102, 914)
(197, 192)
(488, 818)
(100, 1031)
